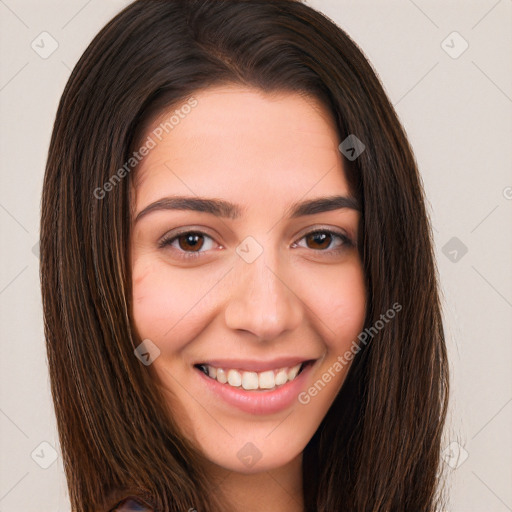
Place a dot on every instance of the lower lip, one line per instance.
(259, 402)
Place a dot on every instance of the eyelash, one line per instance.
(347, 242)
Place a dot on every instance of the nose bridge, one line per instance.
(261, 300)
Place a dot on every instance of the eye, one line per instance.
(324, 238)
(187, 243)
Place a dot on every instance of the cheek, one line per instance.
(163, 303)
(340, 311)
(340, 304)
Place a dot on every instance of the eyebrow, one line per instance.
(225, 209)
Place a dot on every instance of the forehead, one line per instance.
(243, 144)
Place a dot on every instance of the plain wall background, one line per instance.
(456, 110)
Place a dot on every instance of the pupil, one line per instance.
(191, 240)
(321, 236)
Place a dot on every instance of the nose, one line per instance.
(262, 300)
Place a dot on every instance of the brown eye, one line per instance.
(320, 238)
(190, 241)
(187, 244)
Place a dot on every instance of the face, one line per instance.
(251, 301)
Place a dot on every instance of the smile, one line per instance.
(252, 380)
(255, 387)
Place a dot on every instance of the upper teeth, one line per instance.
(252, 380)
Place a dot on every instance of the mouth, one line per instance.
(256, 381)
(254, 387)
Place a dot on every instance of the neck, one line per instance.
(276, 490)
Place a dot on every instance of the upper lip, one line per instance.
(255, 365)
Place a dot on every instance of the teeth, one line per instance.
(234, 378)
(249, 380)
(266, 380)
(221, 376)
(292, 372)
(252, 380)
(281, 377)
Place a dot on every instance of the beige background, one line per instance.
(457, 113)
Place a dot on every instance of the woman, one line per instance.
(296, 360)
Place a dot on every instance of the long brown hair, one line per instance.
(378, 448)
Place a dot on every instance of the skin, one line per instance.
(299, 297)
